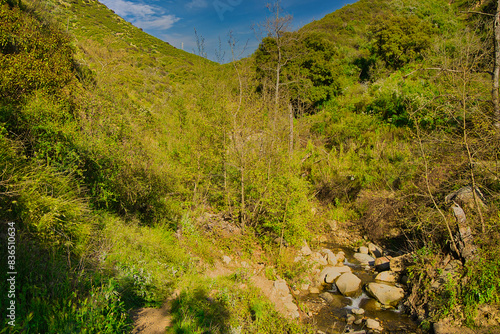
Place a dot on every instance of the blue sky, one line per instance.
(176, 21)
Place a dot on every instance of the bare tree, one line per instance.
(496, 69)
(278, 46)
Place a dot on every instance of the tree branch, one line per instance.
(481, 13)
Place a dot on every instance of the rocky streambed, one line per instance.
(354, 292)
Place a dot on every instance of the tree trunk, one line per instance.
(496, 70)
(290, 143)
(242, 205)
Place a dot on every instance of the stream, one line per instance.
(330, 316)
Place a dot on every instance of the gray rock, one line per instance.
(348, 284)
(385, 294)
(335, 259)
(305, 250)
(326, 296)
(375, 250)
(387, 276)
(358, 311)
(364, 258)
(318, 258)
(382, 263)
(363, 250)
(372, 324)
(340, 257)
(333, 225)
(281, 286)
(329, 274)
(465, 197)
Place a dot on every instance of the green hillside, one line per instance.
(131, 170)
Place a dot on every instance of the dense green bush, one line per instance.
(399, 40)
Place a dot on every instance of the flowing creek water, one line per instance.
(330, 317)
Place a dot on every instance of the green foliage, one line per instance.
(308, 70)
(147, 262)
(54, 297)
(287, 208)
(34, 55)
(399, 40)
(217, 306)
(196, 312)
(483, 286)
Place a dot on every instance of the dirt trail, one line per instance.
(155, 321)
(151, 320)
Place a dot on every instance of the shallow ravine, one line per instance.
(331, 316)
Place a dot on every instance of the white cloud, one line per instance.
(142, 15)
(163, 22)
(197, 4)
(129, 8)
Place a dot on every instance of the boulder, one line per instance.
(373, 324)
(281, 287)
(326, 296)
(386, 294)
(387, 276)
(330, 257)
(374, 250)
(329, 274)
(305, 250)
(335, 259)
(364, 258)
(382, 263)
(358, 311)
(318, 258)
(399, 263)
(292, 309)
(363, 250)
(465, 197)
(340, 257)
(348, 284)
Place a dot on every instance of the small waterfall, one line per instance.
(330, 316)
(356, 301)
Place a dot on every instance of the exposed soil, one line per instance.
(151, 320)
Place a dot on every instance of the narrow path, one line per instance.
(155, 321)
(151, 320)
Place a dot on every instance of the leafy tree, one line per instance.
(398, 40)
